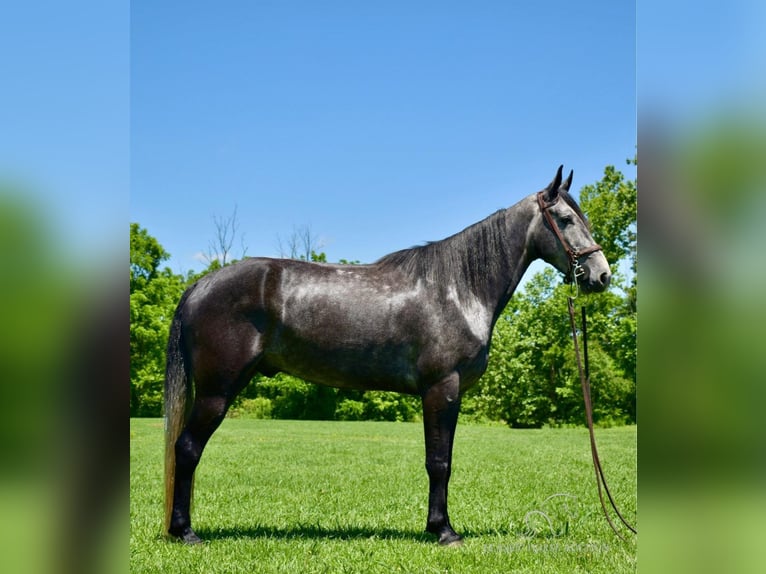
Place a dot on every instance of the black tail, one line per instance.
(178, 400)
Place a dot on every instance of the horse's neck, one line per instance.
(519, 217)
(503, 277)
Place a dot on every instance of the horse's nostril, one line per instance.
(605, 277)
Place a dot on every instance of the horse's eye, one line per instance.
(567, 220)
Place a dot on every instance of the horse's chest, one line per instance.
(470, 316)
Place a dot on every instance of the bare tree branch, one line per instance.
(300, 244)
(220, 248)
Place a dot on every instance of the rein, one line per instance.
(585, 382)
(575, 272)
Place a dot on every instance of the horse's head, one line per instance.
(563, 239)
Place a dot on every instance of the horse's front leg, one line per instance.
(441, 405)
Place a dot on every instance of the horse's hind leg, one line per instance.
(215, 391)
(206, 416)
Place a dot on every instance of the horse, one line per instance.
(417, 321)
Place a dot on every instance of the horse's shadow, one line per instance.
(312, 532)
(316, 532)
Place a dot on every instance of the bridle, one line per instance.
(576, 271)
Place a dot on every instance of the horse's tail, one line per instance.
(178, 400)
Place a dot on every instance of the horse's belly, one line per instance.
(368, 366)
(336, 349)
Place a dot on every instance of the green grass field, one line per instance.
(294, 496)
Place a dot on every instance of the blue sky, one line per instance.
(699, 60)
(380, 125)
(65, 120)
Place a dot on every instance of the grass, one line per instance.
(290, 496)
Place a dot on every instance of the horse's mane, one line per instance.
(468, 259)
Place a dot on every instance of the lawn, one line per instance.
(304, 496)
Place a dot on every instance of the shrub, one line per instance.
(350, 410)
(257, 408)
(293, 398)
(383, 406)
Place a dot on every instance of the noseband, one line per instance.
(576, 271)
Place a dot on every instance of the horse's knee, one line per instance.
(437, 468)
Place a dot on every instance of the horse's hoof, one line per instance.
(454, 543)
(187, 536)
(191, 538)
(450, 540)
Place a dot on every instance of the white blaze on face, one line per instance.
(477, 316)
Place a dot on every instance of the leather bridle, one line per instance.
(576, 271)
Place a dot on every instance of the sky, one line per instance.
(378, 125)
(696, 60)
(65, 122)
(381, 126)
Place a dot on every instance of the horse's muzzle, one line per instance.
(595, 282)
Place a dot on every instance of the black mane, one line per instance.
(466, 259)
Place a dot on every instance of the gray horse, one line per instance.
(418, 321)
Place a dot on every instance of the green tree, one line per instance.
(532, 378)
(154, 294)
(146, 255)
(611, 207)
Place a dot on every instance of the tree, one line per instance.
(532, 377)
(146, 254)
(611, 207)
(154, 294)
(220, 248)
(302, 244)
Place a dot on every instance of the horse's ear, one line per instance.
(552, 191)
(567, 182)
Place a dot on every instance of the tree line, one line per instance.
(531, 380)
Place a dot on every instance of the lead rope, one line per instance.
(585, 382)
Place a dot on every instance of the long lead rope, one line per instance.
(585, 382)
